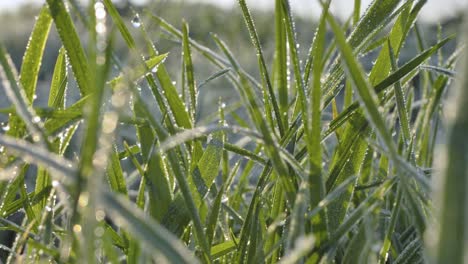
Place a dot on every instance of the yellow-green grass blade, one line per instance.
(268, 92)
(34, 52)
(62, 169)
(189, 71)
(17, 97)
(72, 44)
(59, 82)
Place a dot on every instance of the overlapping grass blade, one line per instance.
(62, 168)
(16, 95)
(34, 52)
(154, 237)
(269, 93)
(72, 44)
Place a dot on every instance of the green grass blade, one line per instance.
(34, 52)
(280, 70)
(271, 97)
(189, 71)
(59, 82)
(153, 236)
(38, 155)
(115, 175)
(366, 94)
(400, 101)
(72, 44)
(16, 95)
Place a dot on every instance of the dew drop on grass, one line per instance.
(36, 119)
(136, 22)
(77, 228)
(225, 199)
(55, 184)
(6, 127)
(99, 231)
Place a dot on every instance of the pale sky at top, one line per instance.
(433, 11)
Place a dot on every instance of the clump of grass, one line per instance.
(337, 168)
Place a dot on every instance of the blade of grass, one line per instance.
(72, 44)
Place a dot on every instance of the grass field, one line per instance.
(317, 159)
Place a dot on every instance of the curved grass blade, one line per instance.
(189, 71)
(401, 72)
(17, 96)
(439, 70)
(38, 155)
(59, 82)
(153, 236)
(400, 101)
(271, 97)
(366, 94)
(72, 44)
(34, 51)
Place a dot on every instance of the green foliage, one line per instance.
(294, 170)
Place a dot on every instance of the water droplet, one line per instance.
(36, 119)
(99, 231)
(55, 184)
(100, 215)
(36, 137)
(136, 22)
(223, 105)
(48, 209)
(6, 127)
(77, 228)
(83, 200)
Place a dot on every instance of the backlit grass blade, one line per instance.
(141, 71)
(271, 97)
(66, 117)
(34, 52)
(400, 100)
(189, 71)
(114, 173)
(72, 44)
(280, 69)
(401, 72)
(155, 239)
(159, 190)
(38, 155)
(59, 82)
(397, 35)
(16, 95)
(367, 95)
(119, 23)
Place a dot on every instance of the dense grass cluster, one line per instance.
(318, 161)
